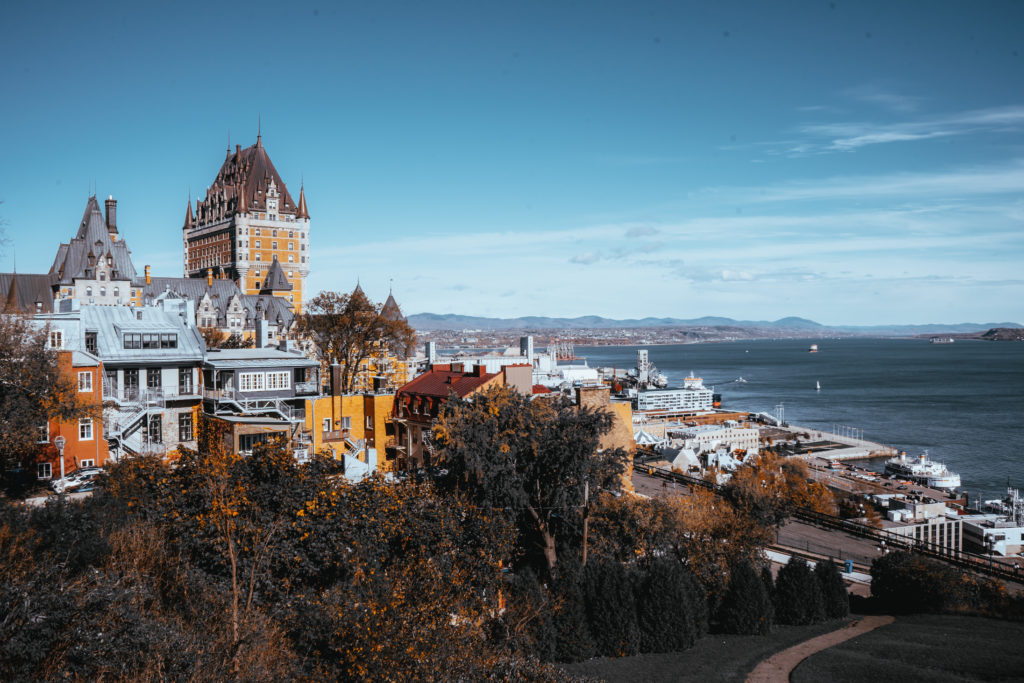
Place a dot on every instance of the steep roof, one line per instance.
(78, 258)
(275, 280)
(390, 310)
(21, 291)
(247, 172)
(441, 380)
(275, 308)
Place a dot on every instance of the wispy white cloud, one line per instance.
(877, 95)
(847, 136)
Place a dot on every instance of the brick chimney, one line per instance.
(149, 279)
(209, 277)
(111, 216)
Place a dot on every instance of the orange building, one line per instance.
(84, 445)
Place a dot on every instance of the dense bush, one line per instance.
(797, 598)
(611, 608)
(573, 639)
(747, 606)
(670, 607)
(906, 583)
(833, 590)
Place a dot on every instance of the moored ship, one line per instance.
(941, 340)
(813, 349)
(922, 471)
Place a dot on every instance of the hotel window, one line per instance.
(85, 429)
(85, 381)
(88, 291)
(56, 339)
(256, 232)
(275, 235)
(258, 257)
(169, 341)
(291, 234)
(273, 245)
(257, 244)
(291, 258)
(103, 291)
(327, 424)
(44, 471)
(291, 246)
(103, 277)
(185, 427)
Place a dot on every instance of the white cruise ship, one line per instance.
(923, 471)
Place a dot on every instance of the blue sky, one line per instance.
(849, 162)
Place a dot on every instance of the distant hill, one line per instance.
(790, 326)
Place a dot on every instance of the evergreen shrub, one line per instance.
(611, 608)
(747, 607)
(833, 590)
(670, 607)
(797, 596)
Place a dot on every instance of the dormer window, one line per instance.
(103, 276)
(88, 291)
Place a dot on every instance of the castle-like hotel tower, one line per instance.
(245, 223)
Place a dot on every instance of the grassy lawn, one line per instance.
(924, 648)
(713, 658)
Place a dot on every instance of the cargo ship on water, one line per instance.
(922, 471)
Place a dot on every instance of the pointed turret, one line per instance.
(302, 211)
(243, 206)
(11, 304)
(276, 280)
(188, 214)
(391, 311)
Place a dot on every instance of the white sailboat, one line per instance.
(817, 385)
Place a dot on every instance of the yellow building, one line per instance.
(341, 424)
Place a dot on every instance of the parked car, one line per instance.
(74, 480)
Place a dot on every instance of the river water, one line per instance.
(962, 402)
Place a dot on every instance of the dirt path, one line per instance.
(776, 669)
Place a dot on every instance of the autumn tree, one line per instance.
(348, 329)
(33, 390)
(531, 459)
(773, 487)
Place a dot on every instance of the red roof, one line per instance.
(440, 380)
(540, 389)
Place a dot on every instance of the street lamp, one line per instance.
(59, 443)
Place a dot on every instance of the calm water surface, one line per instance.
(963, 402)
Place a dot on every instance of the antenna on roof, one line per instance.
(259, 127)
(229, 141)
(391, 284)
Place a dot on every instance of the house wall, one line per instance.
(356, 407)
(76, 449)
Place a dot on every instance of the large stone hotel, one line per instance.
(247, 220)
